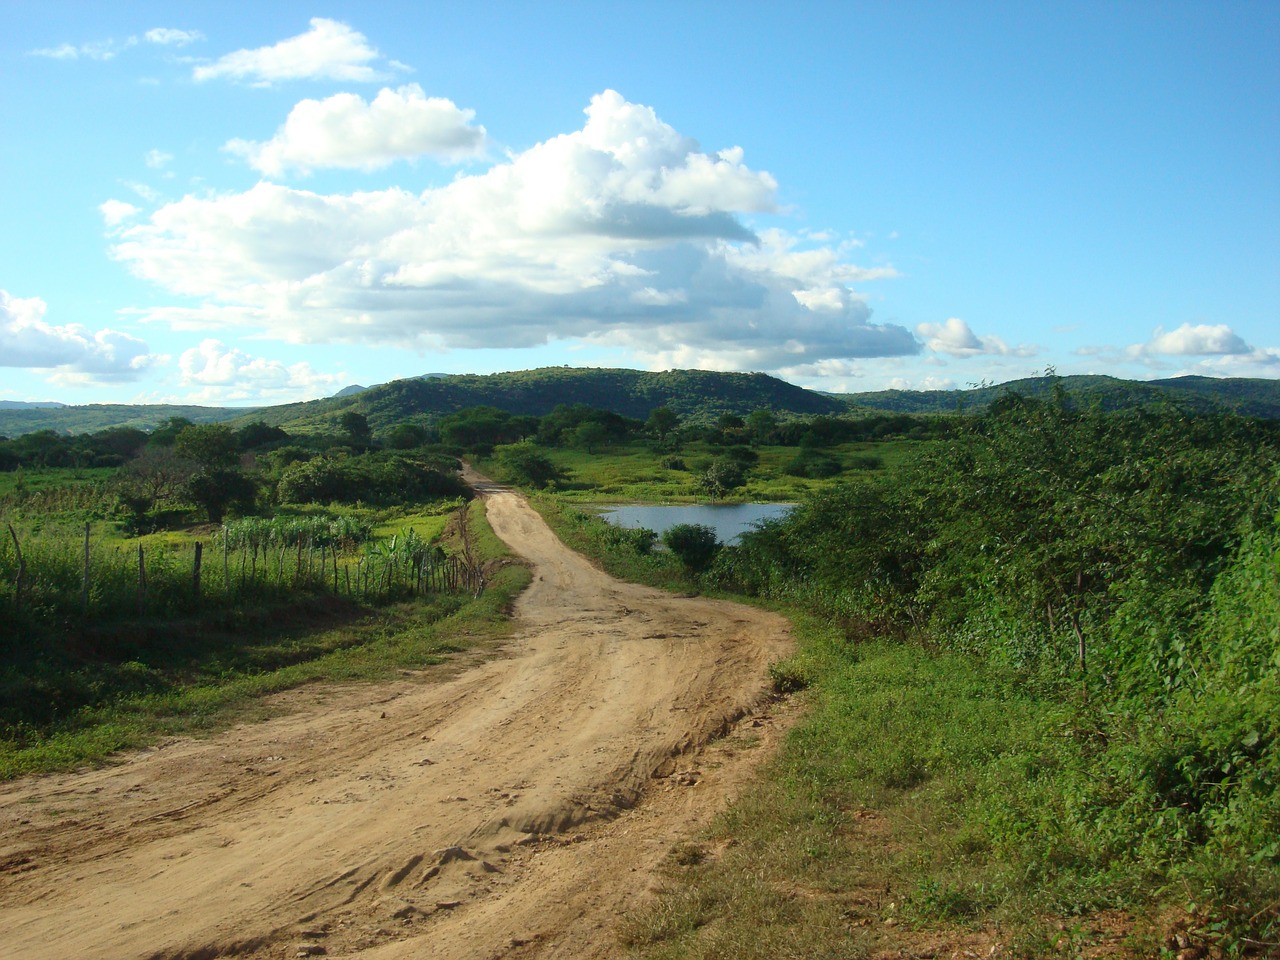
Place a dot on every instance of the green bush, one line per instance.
(694, 544)
(524, 463)
(378, 479)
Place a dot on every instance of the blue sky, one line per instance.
(235, 204)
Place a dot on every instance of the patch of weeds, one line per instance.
(688, 854)
(789, 676)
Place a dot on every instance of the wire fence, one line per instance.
(61, 574)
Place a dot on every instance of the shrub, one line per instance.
(695, 544)
(722, 477)
(524, 463)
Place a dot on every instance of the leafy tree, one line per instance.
(42, 448)
(526, 464)
(318, 480)
(729, 428)
(563, 423)
(217, 482)
(761, 425)
(356, 430)
(590, 435)
(722, 477)
(216, 491)
(406, 436)
(810, 463)
(257, 434)
(662, 422)
(480, 429)
(379, 479)
(695, 545)
(110, 448)
(165, 434)
(157, 476)
(213, 446)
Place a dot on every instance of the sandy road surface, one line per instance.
(514, 810)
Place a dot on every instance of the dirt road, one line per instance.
(515, 810)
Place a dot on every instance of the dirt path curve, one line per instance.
(514, 810)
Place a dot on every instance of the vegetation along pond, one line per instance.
(729, 520)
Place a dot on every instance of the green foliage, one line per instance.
(695, 544)
(662, 422)
(256, 435)
(63, 704)
(722, 477)
(1123, 569)
(590, 436)
(381, 479)
(1247, 397)
(480, 429)
(814, 465)
(356, 430)
(216, 491)
(407, 436)
(216, 482)
(525, 464)
(582, 426)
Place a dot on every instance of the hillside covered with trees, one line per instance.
(1247, 397)
(696, 395)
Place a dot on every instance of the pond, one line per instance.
(729, 520)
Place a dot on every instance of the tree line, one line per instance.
(1124, 564)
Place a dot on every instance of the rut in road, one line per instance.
(513, 810)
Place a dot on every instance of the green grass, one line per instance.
(634, 473)
(610, 546)
(75, 698)
(36, 480)
(878, 808)
(921, 786)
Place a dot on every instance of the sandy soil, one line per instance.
(514, 810)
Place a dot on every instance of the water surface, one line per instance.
(729, 520)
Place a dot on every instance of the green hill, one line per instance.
(93, 417)
(1250, 397)
(693, 394)
(696, 395)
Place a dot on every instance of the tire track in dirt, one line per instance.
(513, 810)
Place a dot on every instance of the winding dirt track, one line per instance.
(515, 810)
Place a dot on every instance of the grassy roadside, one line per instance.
(65, 707)
(863, 837)
(885, 823)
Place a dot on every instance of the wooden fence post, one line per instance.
(22, 570)
(195, 572)
(142, 581)
(84, 580)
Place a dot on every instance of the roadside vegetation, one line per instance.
(1041, 657)
(1038, 642)
(164, 582)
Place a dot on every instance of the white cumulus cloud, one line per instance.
(71, 353)
(116, 212)
(222, 374)
(346, 131)
(955, 338)
(1196, 340)
(330, 50)
(622, 233)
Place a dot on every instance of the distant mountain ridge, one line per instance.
(1251, 397)
(93, 417)
(699, 395)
